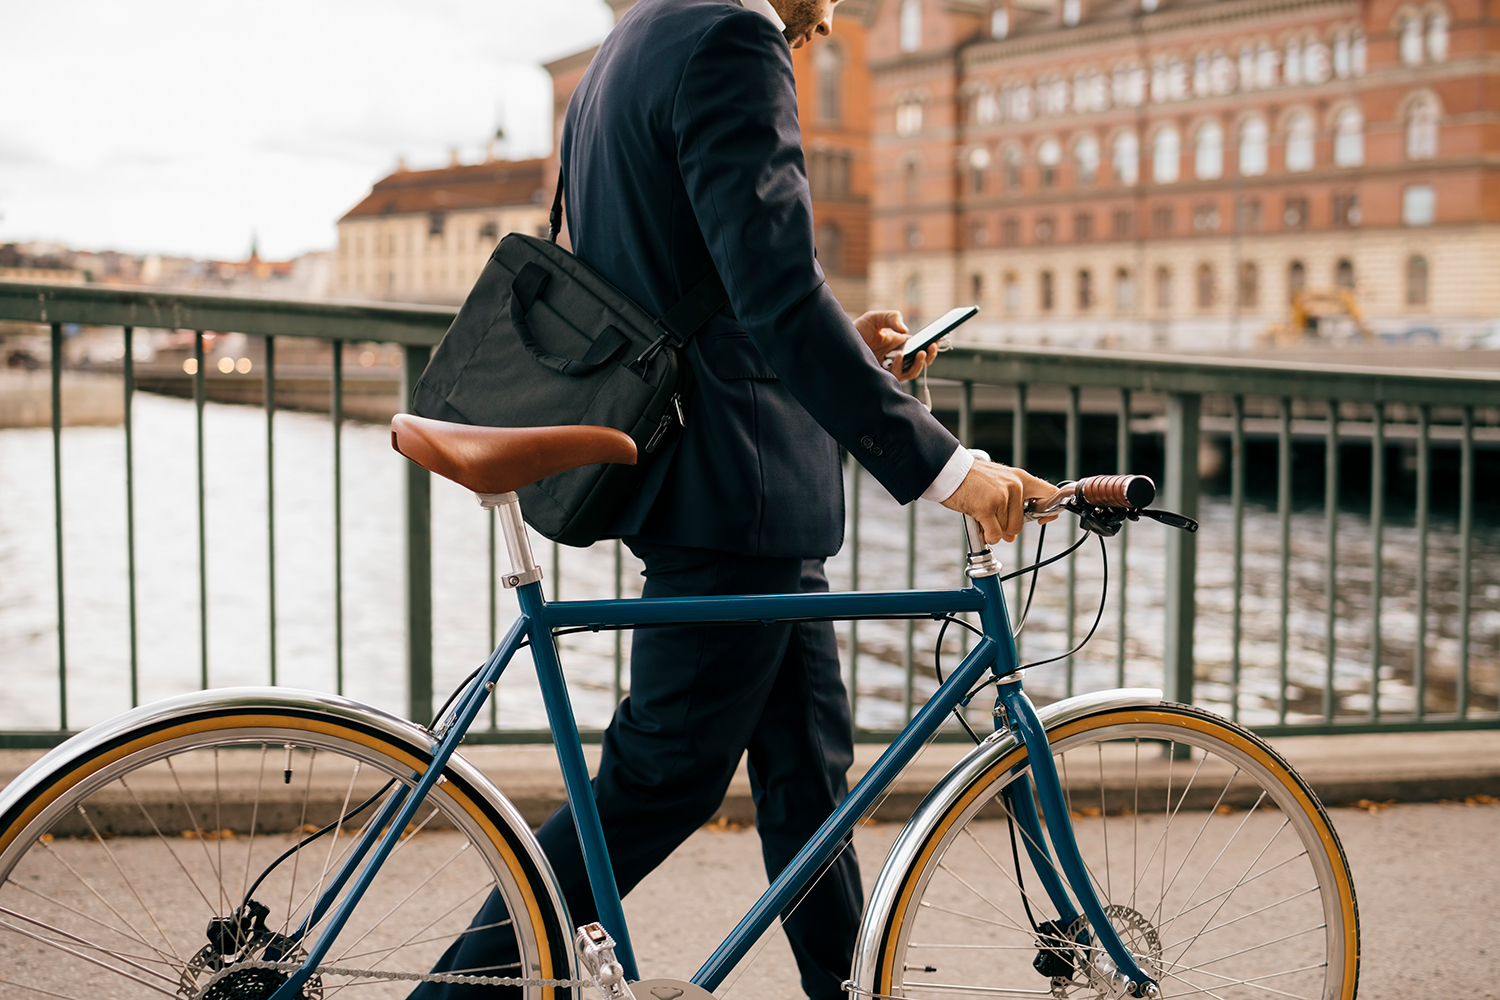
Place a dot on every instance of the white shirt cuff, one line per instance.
(952, 476)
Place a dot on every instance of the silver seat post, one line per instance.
(507, 507)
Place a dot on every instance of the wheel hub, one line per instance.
(1094, 973)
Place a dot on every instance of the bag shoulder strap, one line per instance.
(679, 323)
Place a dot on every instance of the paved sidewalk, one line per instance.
(1402, 767)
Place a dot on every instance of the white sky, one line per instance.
(182, 127)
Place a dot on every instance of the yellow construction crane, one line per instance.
(1309, 308)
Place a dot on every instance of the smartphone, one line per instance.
(931, 334)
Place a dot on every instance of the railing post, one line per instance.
(418, 564)
(1183, 411)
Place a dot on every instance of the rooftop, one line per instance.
(491, 184)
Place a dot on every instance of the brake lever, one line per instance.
(1168, 518)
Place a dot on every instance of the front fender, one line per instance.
(909, 843)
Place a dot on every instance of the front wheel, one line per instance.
(139, 860)
(1214, 861)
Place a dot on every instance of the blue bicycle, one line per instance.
(269, 844)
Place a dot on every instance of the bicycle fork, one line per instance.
(1016, 710)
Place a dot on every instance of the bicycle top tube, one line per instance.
(759, 608)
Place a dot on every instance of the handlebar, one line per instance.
(1108, 492)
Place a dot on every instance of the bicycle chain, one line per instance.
(414, 977)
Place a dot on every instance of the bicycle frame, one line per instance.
(540, 619)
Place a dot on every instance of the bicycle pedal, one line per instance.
(596, 952)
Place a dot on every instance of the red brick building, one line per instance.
(834, 108)
(1166, 173)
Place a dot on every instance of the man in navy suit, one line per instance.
(681, 153)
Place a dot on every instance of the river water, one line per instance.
(168, 639)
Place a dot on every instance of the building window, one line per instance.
(1122, 224)
(1208, 152)
(1251, 219)
(1346, 210)
(1045, 291)
(1416, 280)
(1048, 157)
(1437, 36)
(1294, 212)
(909, 118)
(911, 25)
(913, 297)
(1072, 12)
(913, 235)
(1249, 285)
(1086, 156)
(1125, 159)
(1299, 142)
(999, 22)
(976, 287)
(1085, 290)
(1411, 40)
(1124, 290)
(1163, 288)
(436, 222)
(831, 247)
(1205, 286)
(1010, 231)
(1418, 205)
(828, 173)
(1253, 138)
(1166, 155)
(1206, 217)
(1343, 274)
(1349, 138)
(1083, 226)
(489, 231)
(829, 64)
(979, 235)
(1044, 229)
(1012, 293)
(1161, 221)
(910, 182)
(979, 163)
(1422, 129)
(1296, 280)
(1012, 169)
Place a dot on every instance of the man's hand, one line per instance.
(885, 331)
(995, 495)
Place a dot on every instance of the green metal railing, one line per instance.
(1157, 404)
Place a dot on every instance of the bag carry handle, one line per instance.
(524, 291)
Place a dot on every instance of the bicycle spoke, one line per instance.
(1208, 818)
(57, 856)
(939, 908)
(197, 827)
(260, 777)
(378, 921)
(1224, 892)
(161, 956)
(129, 883)
(134, 961)
(86, 958)
(1247, 871)
(1250, 948)
(1232, 837)
(1104, 825)
(170, 849)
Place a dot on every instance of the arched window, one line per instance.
(1299, 142)
(913, 298)
(1253, 138)
(1124, 290)
(1422, 129)
(1045, 291)
(1296, 279)
(1000, 22)
(1205, 286)
(1163, 288)
(1072, 12)
(829, 65)
(1411, 40)
(1416, 280)
(911, 25)
(910, 181)
(1048, 156)
(976, 287)
(909, 118)
(831, 248)
(1125, 160)
(1085, 289)
(1086, 154)
(1349, 138)
(1013, 162)
(1437, 36)
(1012, 293)
(1249, 285)
(979, 163)
(1208, 152)
(1343, 273)
(1166, 155)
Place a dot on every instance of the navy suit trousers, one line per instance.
(700, 698)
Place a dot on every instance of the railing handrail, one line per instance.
(1140, 371)
(116, 305)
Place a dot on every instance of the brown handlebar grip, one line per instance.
(1129, 492)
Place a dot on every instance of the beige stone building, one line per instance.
(1167, 173)
(424, 235)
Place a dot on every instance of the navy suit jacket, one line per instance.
(681, 151)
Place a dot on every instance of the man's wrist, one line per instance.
(951, 477)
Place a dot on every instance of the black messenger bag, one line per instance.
(542, 340)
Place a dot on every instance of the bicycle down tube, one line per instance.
(995, 652)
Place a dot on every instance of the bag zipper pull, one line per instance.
(666, 421)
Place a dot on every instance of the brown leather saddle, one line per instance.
(503, 459)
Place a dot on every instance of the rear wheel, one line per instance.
(1215, 863)
(132, 872)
